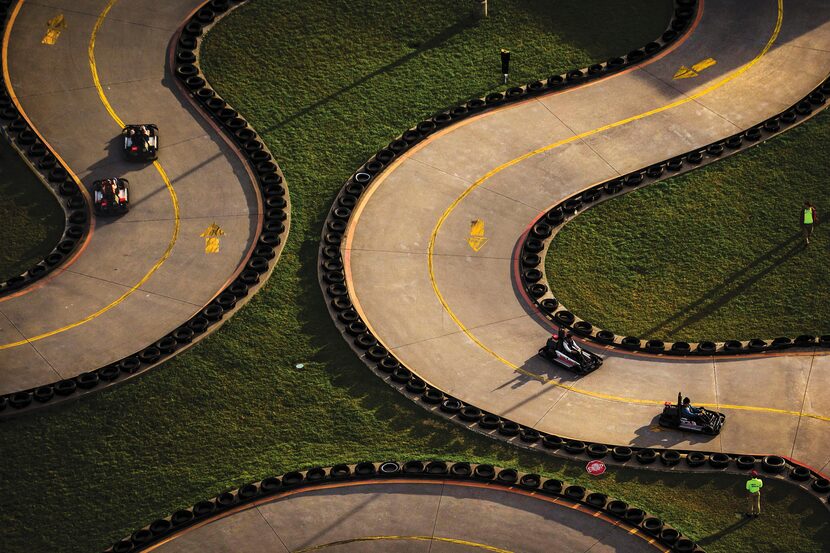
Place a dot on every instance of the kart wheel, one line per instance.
(709, 430)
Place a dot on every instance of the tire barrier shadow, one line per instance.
(430, 44)
(47, 166)
(529, 265)
(269, 489)
(258, 263)
(384, 364)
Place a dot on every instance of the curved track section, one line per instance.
(145, 273)
(450, 308)
(412, 507)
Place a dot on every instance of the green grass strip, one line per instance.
(715, 254)
(33, 220)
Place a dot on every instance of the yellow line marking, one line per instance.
(431, 250)
(159, 169)
(404, 538)
(477, 238)
(687, 73)
(211, 236)
(54, 27)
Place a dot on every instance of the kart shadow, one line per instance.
(654, 435)
(547, 370)
(113, 163)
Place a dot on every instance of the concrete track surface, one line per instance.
(406, 516)
(141, 275)
(457, 318)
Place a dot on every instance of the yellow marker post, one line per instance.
(54, 28)
(211, 236)
(477, 238)
(695, 70)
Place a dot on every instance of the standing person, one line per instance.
(808, 218)
(753, 488)
(505, 63)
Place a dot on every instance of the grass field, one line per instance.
(32, 218)
(235, 408)
(713, 255)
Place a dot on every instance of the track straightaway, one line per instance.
(141, 275)
(454, 315)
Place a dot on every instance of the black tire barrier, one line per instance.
(575, 447)
(597, 451)
(630, 342)
(576, 493)
(565, 318)
(773, 464)
(646, 456)
(821, 485)
(617, 508)
(451, 406)
(552, 442)
(432, 396)
(416, 385)
(696, 459)
(65, 387)
(745, 462)
(553, 486)
(129, 365)
(87, 380)
(529, 435)
(719, 460)
(622, 453)
(509, 428)
(109, 373)
(652, 525)
(163, 529)
(634, 515)
(489, 421)
(669, 457)
(800, 474)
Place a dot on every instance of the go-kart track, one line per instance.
(141, 274)
(410, 516)
(453, 310)
(430, 260)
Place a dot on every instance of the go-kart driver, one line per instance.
(569, 345)
(690, 412)
(141, 139)
(110, 190)
(563, 341)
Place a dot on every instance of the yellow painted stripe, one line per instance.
(430, 252)
(159, 169)
(404, 538)
(94, 68)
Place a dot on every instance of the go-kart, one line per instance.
(705, 422)
(141, 142)
(563, 351)
(111, 196)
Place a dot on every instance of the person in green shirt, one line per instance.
(808, 218)
(753, 488)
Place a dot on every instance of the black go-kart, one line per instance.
(111, 196)
(705, 422)
(141, 142)
(563, 351)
